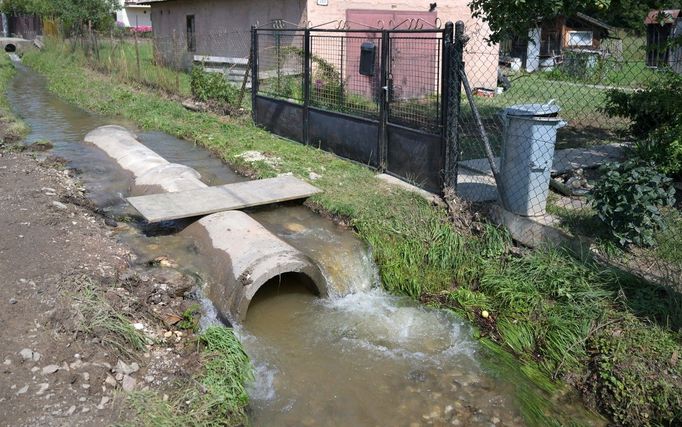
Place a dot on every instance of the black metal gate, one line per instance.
(384, 98)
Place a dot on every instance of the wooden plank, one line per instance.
(204, 201)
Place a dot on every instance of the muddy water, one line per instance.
(359, 358)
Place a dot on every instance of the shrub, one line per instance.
(658, 106)
(664, 148)
(629, 198)
(207, 86)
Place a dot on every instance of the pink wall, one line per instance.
(481, 59)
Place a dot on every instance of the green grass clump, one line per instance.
(11, 128)
(637, 376)
(216, 398)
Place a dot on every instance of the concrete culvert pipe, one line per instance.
(243, 254)
(10, 48)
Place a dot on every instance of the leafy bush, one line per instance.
(629, 198)
(211, 87)
(658, 106)
(664, 148)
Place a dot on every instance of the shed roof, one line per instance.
(669, 16)
(593, 21)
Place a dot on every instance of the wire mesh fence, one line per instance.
(540, 141)
(163, 63)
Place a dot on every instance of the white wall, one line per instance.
(135, 16)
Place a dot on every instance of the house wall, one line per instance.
(222, 27)
(135, 16)
(481, 59)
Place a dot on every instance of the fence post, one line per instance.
(254, 71)
(306, 85)
(137, 57)
(452, 99)
(383, 97)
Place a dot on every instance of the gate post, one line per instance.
(383, 100)
(306, 86)
(254, 71)
(454, 53)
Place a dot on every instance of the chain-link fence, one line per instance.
(164, 63)
(566, 105)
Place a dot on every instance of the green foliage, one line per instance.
(190, 318)
(216, 398)
(630, 14)
(657, 106)
(207, 86)
(629, 198)
(637, 378)
(76, 15)
(664, 148)
(506, 17)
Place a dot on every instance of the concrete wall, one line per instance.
(222, 26)
(135, 16)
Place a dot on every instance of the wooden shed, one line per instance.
(661, 27)
(546, 45)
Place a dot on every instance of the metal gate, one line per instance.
(384, 98)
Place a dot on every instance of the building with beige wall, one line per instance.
(221, 27)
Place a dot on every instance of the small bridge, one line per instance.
(14, 44)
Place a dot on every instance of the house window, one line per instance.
(580, 38)
(191, 34)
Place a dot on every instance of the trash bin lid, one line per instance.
(533, 110)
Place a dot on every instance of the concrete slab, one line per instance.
(204, 201)
(429, 197)
(476, 187)
(564, 160)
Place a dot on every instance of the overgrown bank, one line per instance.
(614, 337)
(11, 129)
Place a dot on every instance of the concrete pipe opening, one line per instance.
(287, 285)
(10, 48)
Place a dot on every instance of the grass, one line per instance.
(118, 57)
(11, 128)
(95, 317)
(216, 398)
(549, 309)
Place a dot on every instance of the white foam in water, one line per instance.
(396, 327)
(263, 386)
(14, 57)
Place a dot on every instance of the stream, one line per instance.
(359, 358)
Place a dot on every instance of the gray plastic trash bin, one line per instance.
(527, 156)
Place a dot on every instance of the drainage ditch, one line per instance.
(358, 357)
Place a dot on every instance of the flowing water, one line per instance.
(359, 358)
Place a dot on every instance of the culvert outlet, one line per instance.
(243, 254)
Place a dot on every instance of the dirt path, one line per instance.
(64, 281)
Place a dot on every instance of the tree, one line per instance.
(507, 18)
(630, 14)
(76, 15)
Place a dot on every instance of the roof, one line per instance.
(670, 16)
(593, 21)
